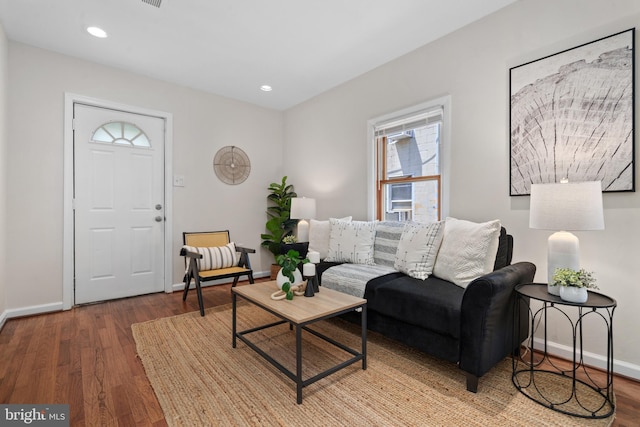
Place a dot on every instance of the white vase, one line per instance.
(574, 294)
(281, 279)
(553, 290)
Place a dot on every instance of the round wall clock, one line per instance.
(231, 165)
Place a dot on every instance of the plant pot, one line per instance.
(554, 290)
(282, 279)
(274, 271)
(574, 294)
(301, 247)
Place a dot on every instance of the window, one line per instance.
(408, 165)
(121, 133)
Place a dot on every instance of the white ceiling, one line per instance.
(232, 47)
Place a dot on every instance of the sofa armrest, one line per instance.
(487, 316)
(322, 267)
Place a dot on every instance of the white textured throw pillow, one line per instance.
(418, 248)
(351, 241)
(468, 250)
(319, 232)
(215, 257)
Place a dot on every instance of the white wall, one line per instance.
(4, 47)
(472, 65)
(202, 124)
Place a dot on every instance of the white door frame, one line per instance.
(68, 245)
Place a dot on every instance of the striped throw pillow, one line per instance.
(215, 257)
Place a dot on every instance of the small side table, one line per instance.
(586, 397)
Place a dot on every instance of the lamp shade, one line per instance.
(303, 208)
(567, 206)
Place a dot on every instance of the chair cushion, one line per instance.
(231, 271)
(215, 257)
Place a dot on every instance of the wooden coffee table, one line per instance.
(299, 313)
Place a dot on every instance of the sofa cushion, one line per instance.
(418, 248)
(385, 245)
(352, 278)
(433, 304)
(351, 241)
(319, 232)
(468, 250)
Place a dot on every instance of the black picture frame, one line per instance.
(572, 116)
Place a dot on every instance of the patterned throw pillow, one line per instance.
(468, 250)
(351, 241)
(418, 248)
(215, 257)
(319, 232)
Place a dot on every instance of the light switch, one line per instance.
(178, 180)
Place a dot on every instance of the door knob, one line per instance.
(158, 218)
(158, 206)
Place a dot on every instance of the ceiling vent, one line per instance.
(155, 3)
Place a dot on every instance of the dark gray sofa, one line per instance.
(469, 326)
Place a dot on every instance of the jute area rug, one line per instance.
(200, 380)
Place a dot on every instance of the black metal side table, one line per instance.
(587, 396)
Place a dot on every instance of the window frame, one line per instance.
(374, 193)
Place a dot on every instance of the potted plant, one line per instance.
(291, 242)
(574, 284)
(289, 274)
(279, 223)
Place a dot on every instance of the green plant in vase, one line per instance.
(574, 284)
(289, 268)
(578, 279)
(279, 225)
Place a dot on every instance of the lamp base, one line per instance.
(303, 231)
(563, 251)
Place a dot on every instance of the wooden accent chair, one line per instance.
(214, 252)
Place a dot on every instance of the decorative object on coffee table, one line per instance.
(309, 273)
(289, 273)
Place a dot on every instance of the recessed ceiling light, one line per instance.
(97, 32)
(266, 88)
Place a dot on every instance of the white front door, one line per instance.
(119, 203)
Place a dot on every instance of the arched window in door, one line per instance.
(121, 133)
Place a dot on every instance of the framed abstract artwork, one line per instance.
(572, 116)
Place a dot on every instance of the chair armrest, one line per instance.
(247, 250)
(487, 317)
(189, 254)
(244, 256)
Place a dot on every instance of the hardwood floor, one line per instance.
(86, 357)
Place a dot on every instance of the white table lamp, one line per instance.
(565, 207)
(303, 208)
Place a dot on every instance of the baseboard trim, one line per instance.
(33, 310)
(3, 319)
(620, 367)
(180, 286)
